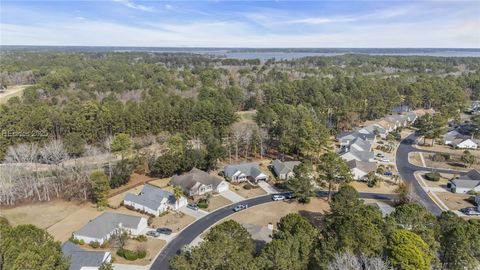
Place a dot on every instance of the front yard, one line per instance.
(382, 187)
(453, 162)
(151, 246)
(454, 201)
(253, 191)
(217, 201)
(175, 221)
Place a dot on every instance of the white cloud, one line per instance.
(131, 4)
(320, 20)
(80, 18)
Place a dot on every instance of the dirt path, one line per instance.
(12, 91)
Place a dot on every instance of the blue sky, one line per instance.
(241, 23)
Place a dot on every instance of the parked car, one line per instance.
(290, 195)
(470, 211)
(380, 155)
(166, 231)
(385, 160)
(192, 206)
(388, 173)
(277, 197)
(240, 207)
(153, 233)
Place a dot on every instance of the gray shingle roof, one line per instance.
(362, 165)
(362, 155)
(107, 223)
(188, 180)
(383, 207)
(249, 169)
(82, 258)
(366, 146)
(151, 197)
(284, 167)
(469, 180)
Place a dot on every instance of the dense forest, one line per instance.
(350, 236)
(187, 104)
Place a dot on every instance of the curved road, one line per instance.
(186, 236)
(407, 170)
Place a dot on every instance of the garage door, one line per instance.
(222, 187)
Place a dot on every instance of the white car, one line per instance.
(240, 207)
(278, 197)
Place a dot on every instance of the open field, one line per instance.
(41, 214)
(116, 200)
(247, 193)
(448, 149)
(173, 220)
(453, 164)
(12, 91)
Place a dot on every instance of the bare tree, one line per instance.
(374, 263)
(345, 261)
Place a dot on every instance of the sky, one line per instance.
(271, 24)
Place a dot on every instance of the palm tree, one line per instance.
(178, 193)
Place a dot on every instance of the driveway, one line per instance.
(232, 196)
(267, 187)
(197, 214)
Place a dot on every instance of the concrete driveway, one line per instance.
(267, 187)
(232, 196)
(197, 214)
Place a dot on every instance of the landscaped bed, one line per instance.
(151, 246)
(253, 191)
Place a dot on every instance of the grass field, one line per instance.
(12, 91)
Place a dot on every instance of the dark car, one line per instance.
(290, 195)
(166, 231)
(192, 206)
(470, 211)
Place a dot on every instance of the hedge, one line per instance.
(432, 176)
(131, 255)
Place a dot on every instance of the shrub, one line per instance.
(149, 221)
(131, 255)
(304, 199)
(247, 187)
(438, 158)
(94, 244)
(202, 203)
(141, 238)
(432, 176)
(141, 254)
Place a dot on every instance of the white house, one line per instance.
(284, 169)
(104, 226)
(154, 200)
(360, 169)
(81, 259)
(464, 144)
(354, 154)
(465, 183)
(198, 182)
(242, 172)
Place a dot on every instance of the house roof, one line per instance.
(469, 180)
(361, 155)
(283, 167)
(383, 207)
(151, 197)
(375, 127)
(249, 169)
(107, 223)
(82, 258)
(366, 146)
(362, 165)
(194, 176)
(259, 233)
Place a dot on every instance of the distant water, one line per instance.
(296, 55)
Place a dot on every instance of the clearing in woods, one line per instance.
(12, 91)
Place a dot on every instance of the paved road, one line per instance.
(407, 170)
(186, 236)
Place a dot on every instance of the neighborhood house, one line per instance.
(245, 171)
(284, 169)
(81, 259)
(465, 183)
(197, 182)
(154, 200)
(360, 169)
(104, 226)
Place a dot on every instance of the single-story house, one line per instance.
(411, 117)
(81, 259)
(383, 207)
(261, 235)
(464, 144)
(398, 119)
(241, 172)
(104, 226)
(346, 138)
(284, 169)
(374, 129)
(360, 169)
(388, 125)
(465, 183)
(154, 200)
(197, 182)
(354, 154)
(360, 145)
(452, 135)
